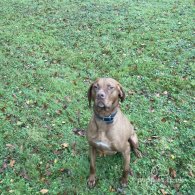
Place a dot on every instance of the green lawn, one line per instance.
(50, 52)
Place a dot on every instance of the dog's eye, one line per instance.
(95, 87)
(110, 87)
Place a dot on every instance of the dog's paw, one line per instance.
(124, 182)
(91, 181)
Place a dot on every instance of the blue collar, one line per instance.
(107, 119)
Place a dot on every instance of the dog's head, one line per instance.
(105, 93)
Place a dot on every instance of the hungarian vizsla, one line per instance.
(109, 131)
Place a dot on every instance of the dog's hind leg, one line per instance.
(134, 144)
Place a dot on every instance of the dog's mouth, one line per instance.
(100, 104)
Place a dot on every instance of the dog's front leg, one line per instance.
(92, 154)
(126, 156)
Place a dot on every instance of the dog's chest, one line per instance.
(102, 141)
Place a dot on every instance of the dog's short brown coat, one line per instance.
(109, 138)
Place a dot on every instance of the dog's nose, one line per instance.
(101, 95)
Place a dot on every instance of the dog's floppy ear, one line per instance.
(89, 94)
(121, 93)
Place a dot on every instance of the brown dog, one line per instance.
(109, 131)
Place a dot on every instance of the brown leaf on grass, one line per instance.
(24, 175)
(155, 177)
(112, 189)
(19, 123)
(158, 95)
(151, 109)
(152, 100)
(163, 120)
(4, 166)
(57, 101)
(14, 95)
(3, 109)
(58, 112)
(44, 191)
(12, 162)
(68, 99)
(64, 106)
(45, 106)
(10, 146)
(65, 145)
(190, 173)
(79, 132)
(177, 186)
(153, 137)
(66, 171)
(74, 148)
(172, 173)
(130, 92)
(57, 152)
(163, 191)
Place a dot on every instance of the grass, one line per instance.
(50, 53)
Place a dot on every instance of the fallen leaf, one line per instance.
(79, 132)
(163, 120)
(155, 137)
(64, 106)
(24, 175)
(45, 106)
(111, 189)
(14, 95)
(4, 165)
(65, 145)
(177, 186)
(12, 162)
(172, 173)
(152, 100)
(3, 109)
(68, 172)
(165, 92)
(57, 152)
(28, 102)
(131, 92)
(19, 123)
(151, 109)
(155, 177)
(44, 191)
(10, 146)
(163, 191)
(74, 148)
(157, 95)
(58, 112)
(190, 173)
(68, 99)
(57, 101)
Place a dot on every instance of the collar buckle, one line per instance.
(108, 119)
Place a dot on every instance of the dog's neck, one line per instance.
(107, 119)
(106, 115)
